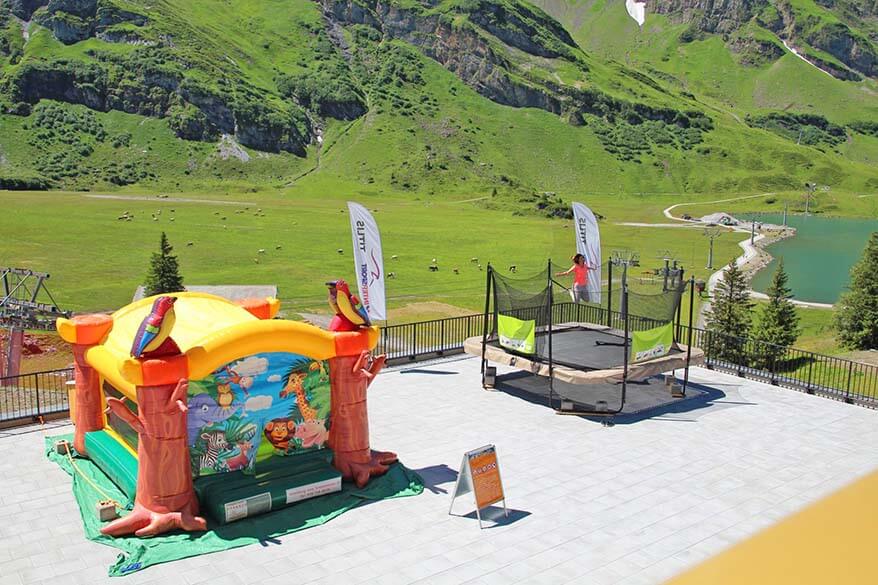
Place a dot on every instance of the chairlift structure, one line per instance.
(26, 302)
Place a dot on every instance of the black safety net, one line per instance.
(653, 298)
(543, 302)
(521, 303)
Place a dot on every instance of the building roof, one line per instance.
(232, 292)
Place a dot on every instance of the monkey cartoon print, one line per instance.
(279, 432)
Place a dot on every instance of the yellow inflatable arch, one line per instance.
(210, 331)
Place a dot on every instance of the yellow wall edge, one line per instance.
(225, 346)
(255, 337)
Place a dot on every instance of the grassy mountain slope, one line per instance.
(459, 121)
(459, 99)
(743, 71)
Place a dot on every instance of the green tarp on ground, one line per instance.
(139, 553)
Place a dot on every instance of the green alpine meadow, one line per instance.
(469, 125)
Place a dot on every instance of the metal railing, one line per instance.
(424, 339)
(798, 369)
(29, 397)
(438, 337)
(789, 367)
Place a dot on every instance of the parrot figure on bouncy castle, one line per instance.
(349, 315)
(153, 338)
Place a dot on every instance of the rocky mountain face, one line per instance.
(72, 21)
(508, 51)
(275, 76)
(498, 47)
(720, 16)
(466, 51)
(151, 81)
(843, 33)
(23, 9)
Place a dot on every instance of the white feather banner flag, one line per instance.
(588, 243)
(637, 11)
(368, 261)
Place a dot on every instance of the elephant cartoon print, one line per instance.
(203, 411)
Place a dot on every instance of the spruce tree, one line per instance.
(856, 316)
(729, 315)
(164, 272)
(778, 321)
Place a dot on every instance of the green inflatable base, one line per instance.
(278, 483)
(139, 553)
(114, 460)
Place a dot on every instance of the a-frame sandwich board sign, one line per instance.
(480, 474)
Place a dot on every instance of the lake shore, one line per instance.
(756, 257)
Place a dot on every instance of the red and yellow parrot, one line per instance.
(153, 338)
(349, 315)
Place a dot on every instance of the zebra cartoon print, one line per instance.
(214, 443)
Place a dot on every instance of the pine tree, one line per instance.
(856, 316)
(729, 315)
(778, 321)
(164, 272)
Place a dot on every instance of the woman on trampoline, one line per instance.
(580, 278)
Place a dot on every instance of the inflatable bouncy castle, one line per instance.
(194, 404)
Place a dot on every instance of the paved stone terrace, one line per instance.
(631, 504)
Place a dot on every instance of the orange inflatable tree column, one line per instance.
(350, 376)
(165, 496)
(85, 332)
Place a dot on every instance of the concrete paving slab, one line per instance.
(635, 503)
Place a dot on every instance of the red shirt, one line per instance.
(580, 274)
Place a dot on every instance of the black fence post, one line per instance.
(847, 393)
(773, 368)
(709, 352)
(808, 388)
(551, 300)
(740, 360)
(37, 388)
(414, 346)
(689, 339)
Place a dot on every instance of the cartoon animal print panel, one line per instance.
(265, 405)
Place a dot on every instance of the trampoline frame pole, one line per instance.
(689, 340)
(679, 314)
(485, 325)
(610, 293)
(551, 301)
(626, 345)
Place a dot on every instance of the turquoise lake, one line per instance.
(819, 257)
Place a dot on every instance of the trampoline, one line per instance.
(584, 353)
(644, 398)
(584, 367)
